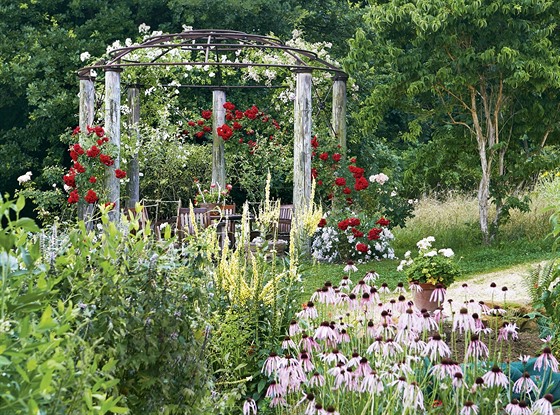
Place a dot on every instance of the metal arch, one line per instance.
(216, 41)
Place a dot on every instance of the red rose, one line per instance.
(237, 126)
(357, 233)
(349, 201)
(100, 142)
(93, 152)
(206, 114)
(106, 160)
(229, 116)
(238, 115)
(69, 180)
(361, 184)
(76, 130)
(353, 221)
(383, 222)
(353, 160)
(79, 168)
(78, 149)
(105, 139)
(276, 125)
(347, 191)
(324, 156)
(322, 223)
(74, 197)
(91, 196)
(225, 132)
(240, 141)
(191, 123)
(252, 112)
(374, 234)
(343, 225)
(207, 129)
(92, 179)
(340, 181)
(98, 130)
(229, 106)
(199, 134)
(319, 182)
(314, 142)
(314, 173)
(356, 171)
(200, 122)
(336, 157)
(73, 155)
(120, 174)
(361, 247)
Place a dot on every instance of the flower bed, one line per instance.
(364, 349)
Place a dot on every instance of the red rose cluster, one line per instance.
(83, 164)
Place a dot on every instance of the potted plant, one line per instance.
(212, 197)
(430, 273)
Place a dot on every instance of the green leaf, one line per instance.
(47, 321)
(27, 224)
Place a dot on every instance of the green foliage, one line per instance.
(47, 367)
(144, 304)
(543, 284)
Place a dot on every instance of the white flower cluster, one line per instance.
(380, 178)
(324, 244)
(24, 178)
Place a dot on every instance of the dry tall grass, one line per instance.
(453, 219)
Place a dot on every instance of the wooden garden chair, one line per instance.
(185, 224)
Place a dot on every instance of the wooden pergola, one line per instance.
(214, 43)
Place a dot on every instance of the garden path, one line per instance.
(479, 286)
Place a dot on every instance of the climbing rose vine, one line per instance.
(91, 155)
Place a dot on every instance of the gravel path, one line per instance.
(478, 286)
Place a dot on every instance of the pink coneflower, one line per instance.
(372, 383)
(345, 283)
(484, 309)
(507, 330)
(428, 322)
(458, 381)
(353, 303)
(360, 288)
(413, 398)
(546, 360)
(354, 360)
(524, 358)
(317, 380)
(386, 317)
(371, 276)
(543, 406)
(439, 314)
(288, 343)
(478, 324)
(516, 407)
(335, 356)
(342, 376)
(343, 336)
(436, 348)
(376, 346)
(525, 384)
(400, 288)
(309, 400)
(384, 289)
(306, 362)
(402, 304)
(249, 407)
(411, 320)
(374, 295)
(274, 390)
(316, 295)
(415, 287)
(278, 401)
(495, 378)
(438, 295)
(469, 408)
(363, 367)
(477, 348)
(370, 330)
(294, 328)
(308, 343)
(417, 346)
(390, 348)
(464, 322)
(446, 369)
(271, 364)
(325, 332)
(331, 411)
(497, 311)
(309, 312)
(350, 267)
(366, 302)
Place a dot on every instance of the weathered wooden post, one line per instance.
(218, 119)
(134, 133)
(339, 110)
(113, 131)
(86, 111)
(302, 146)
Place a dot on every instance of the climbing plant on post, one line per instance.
(113, 131)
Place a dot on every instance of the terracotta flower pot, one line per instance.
(422, 298)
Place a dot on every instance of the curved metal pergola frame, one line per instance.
(214, 43)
